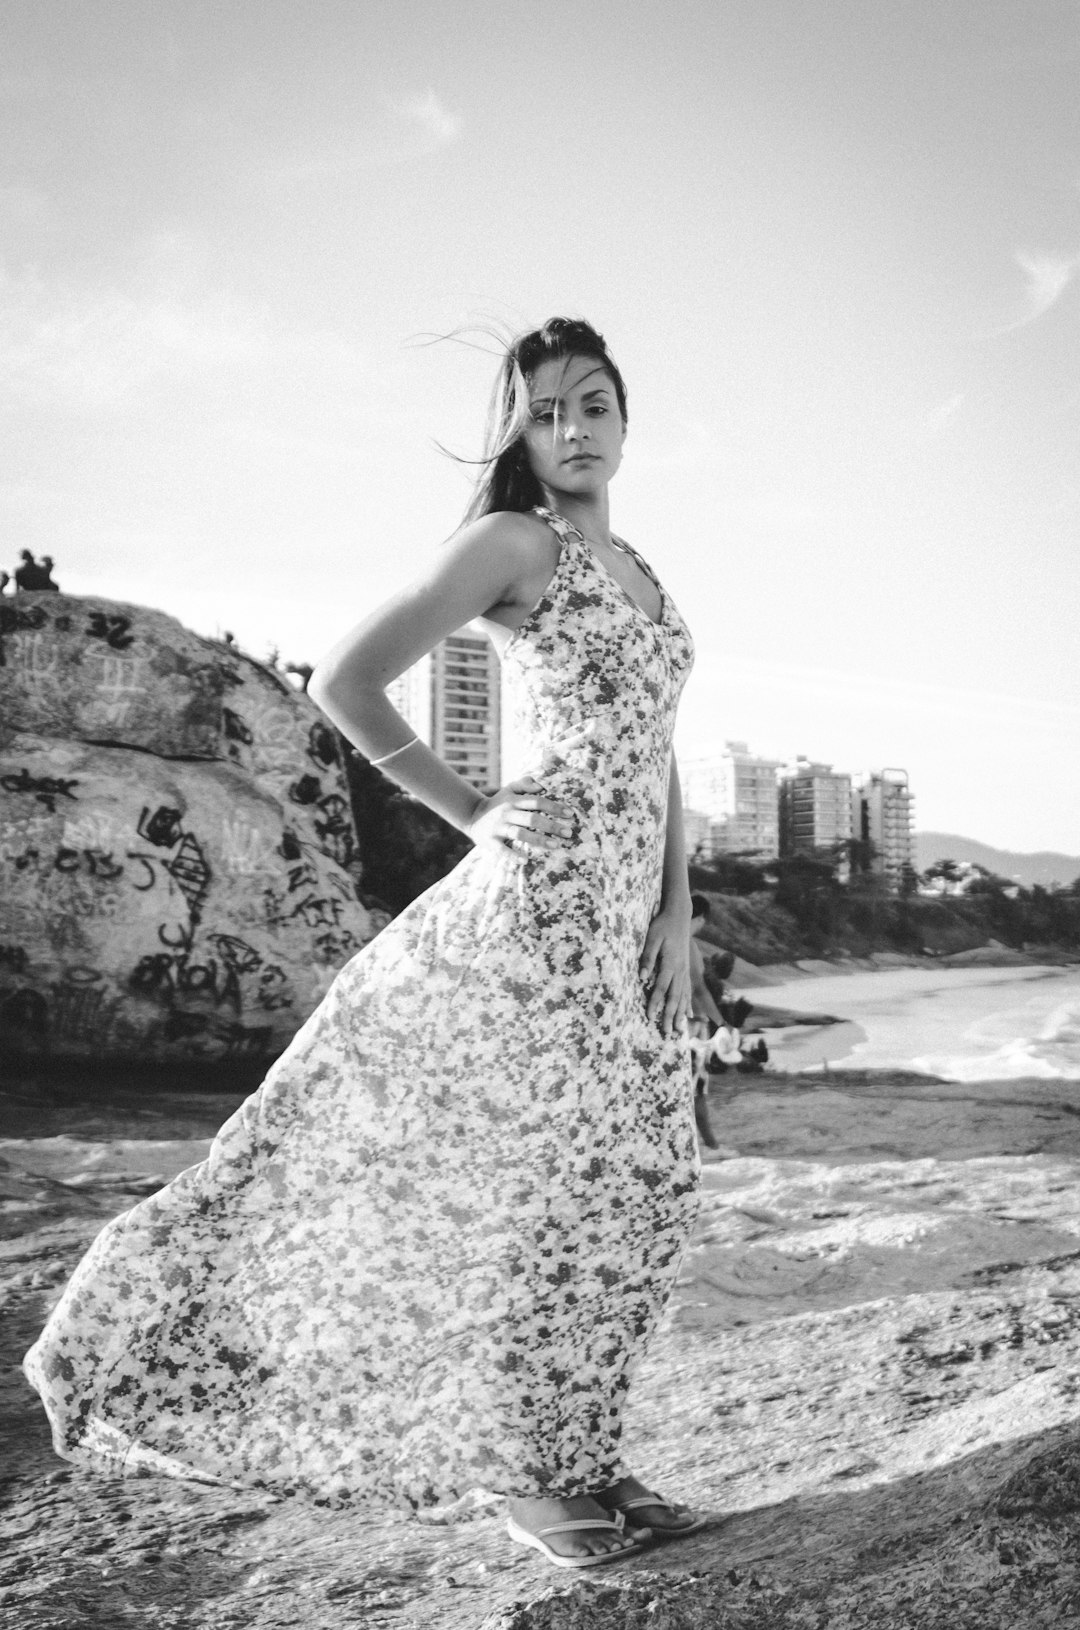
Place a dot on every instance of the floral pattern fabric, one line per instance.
(424, 1256)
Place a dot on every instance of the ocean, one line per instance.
(963, 1024)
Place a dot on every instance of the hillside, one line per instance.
(813, 916)
(1044, 868)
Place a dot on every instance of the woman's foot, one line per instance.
(640, 1506)
(532, 1517)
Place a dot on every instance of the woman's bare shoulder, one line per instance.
(509, 556)
(522, 540)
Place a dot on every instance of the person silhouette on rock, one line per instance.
(31, 576)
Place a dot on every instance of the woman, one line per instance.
(426, 1253)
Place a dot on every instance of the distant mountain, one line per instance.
(1044, 867)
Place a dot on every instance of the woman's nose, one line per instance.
(573, 429)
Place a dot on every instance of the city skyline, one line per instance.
(736, 802)
(255, 260)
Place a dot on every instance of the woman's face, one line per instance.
(575, 434)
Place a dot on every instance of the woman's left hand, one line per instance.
(665, 970)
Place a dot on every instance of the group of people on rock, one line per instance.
(716, 1023)
(31, 574)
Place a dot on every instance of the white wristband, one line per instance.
(388, 756)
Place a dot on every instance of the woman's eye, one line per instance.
(597, 409)
(544, 416)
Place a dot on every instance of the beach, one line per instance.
(960, 1023)
(869, 1375)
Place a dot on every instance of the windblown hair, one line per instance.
(507, 481)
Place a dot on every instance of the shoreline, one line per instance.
(751, 975)
(978, 1021)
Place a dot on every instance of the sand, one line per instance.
(981, 1023)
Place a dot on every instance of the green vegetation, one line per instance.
(404, 846)
(787, 909)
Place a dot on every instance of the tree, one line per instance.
(404, 846)
(729, 874)
(860, 854)
(947, 870)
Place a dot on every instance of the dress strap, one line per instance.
(628, 549)
(558, 523)
(561, 526)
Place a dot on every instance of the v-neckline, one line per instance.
(654, 622)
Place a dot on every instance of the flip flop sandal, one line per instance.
(640, 1501)
(523, 1537)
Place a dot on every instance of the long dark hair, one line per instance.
(507, 481)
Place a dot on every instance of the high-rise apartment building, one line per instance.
(452, 699)
(882, 810)
(738, 791)
(815, 808)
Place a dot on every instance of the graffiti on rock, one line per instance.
(234, 727)
(110, 628)
(332, 818)
(82, 1008)
(129, 921)
(170, 974)
(162, 828)
(190, 871)
(275, 732)
(334, 826)
(16, 619)
(336, 945)
(36, 659)
(46, 789)
(122, 680)
(236, 953)
(306, 790)
(273, 989)
(93, 861)
(245, 849)
(322, 745)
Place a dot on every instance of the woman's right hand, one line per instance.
(520, 817)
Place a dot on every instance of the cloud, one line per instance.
(437, 125)
(1046, 279)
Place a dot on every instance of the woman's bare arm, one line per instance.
(665, 956)
(481, 567)
(675, 889)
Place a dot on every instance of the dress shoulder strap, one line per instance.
(558, 523)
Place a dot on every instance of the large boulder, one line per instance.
(178, 861)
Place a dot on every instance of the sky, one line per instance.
(255, 259)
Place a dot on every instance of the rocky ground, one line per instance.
(869, 1379)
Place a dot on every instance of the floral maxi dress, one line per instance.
(424, 1256)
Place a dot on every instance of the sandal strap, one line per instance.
(642, 1500)
(581, 1523)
